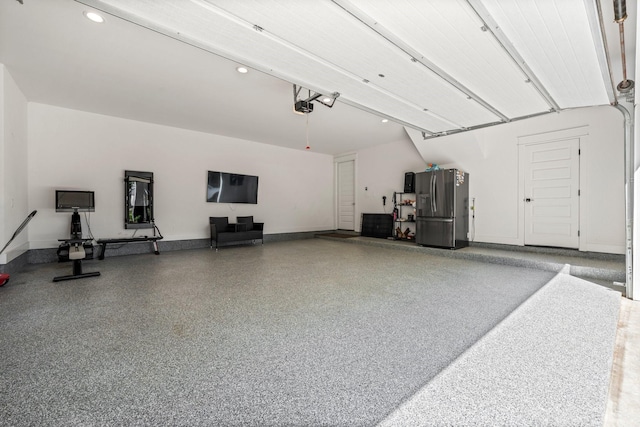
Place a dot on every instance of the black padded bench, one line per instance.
(104, 242)
(244, 230)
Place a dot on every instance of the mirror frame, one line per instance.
(141, 177)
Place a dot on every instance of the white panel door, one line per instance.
(346, 195)
(551, 191)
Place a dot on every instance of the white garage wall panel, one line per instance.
(71, 149)
(13, 166)
(381, 171)
(490, 156)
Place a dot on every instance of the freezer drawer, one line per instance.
(438, 232)
(435, 232)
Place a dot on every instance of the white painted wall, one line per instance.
(71, 149)
(13, 162)
(79, 150)
(3, 161)
(490, 155)
(380, 172)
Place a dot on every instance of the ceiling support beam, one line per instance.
(493, 27)
(415, 56)
(602, 50)
(484, 125)
(385, 116)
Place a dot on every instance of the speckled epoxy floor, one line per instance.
(546, 364)
(308, 332)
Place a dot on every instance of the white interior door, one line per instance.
(551, 193)
(346, 195)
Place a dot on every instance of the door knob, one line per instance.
(528, 200)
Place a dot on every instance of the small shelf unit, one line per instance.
(404, 216)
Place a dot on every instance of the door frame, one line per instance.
(581, 133)
(336, 161)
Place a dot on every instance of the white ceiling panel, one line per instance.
(448, 65)
(435, 66)
(356, 51)
(285, 47)
(449, 33)
(555, 39)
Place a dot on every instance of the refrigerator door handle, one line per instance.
(431, 193)
(435, 193)
(434, 207)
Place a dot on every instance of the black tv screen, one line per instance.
(223, 187)
(70, 201)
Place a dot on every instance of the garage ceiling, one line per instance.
(440, 66)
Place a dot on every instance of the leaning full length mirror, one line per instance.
(138, 195)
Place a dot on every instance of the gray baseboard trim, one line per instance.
(273, 238)
(16, 264)
(283, 237)
(137, 248)
(550, 250)
(43, 256)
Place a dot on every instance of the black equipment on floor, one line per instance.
(377, 225)
(75, 249)
(4, 278)
(154, 239)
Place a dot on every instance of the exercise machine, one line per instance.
(75, 249)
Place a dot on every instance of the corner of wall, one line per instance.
(3, 161)
(13, 173)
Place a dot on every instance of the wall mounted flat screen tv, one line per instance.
(72, 201)
(224, 187)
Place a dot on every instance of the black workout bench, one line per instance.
(104, 242)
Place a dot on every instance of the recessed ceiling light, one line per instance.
(242, 70)
(384, 120)
(94, 17)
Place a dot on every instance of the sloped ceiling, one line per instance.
(438, 67)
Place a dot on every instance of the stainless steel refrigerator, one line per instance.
(442, 208)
